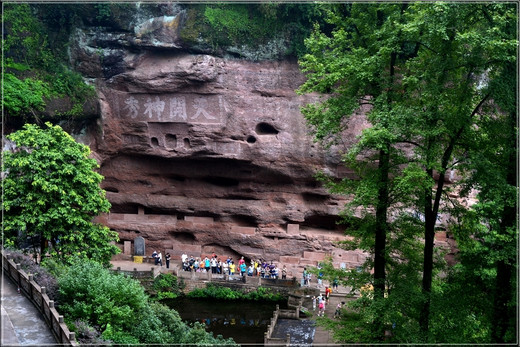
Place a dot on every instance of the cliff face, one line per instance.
(204, 153)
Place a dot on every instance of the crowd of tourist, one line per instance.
(214, 264)
(258, 267)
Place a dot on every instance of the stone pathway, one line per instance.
(22, 323)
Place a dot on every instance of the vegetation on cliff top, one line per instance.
(35, 70)
(251, 25)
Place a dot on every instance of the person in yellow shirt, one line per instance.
(231, 269)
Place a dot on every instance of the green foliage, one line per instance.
(89, 291)
(54, 266)
(240, 23)
(104, 12)
(52, 192)
(118, 305)
(25, 40)
(21, 96)
(214, 291)
(428, 73)
(224, 25)
(168, 286)
(35, 73)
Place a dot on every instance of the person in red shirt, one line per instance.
(328, 291)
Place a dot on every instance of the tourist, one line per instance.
(154, 256)
(250, 270)
(196, 264)
(275, 272)
(328, 291)
(262, 271)
(213, 263)
(271, 269)
(320, 278)
(207, 264)
(184, 257)
(159, 258)
(304, 279)
(225, 268)
(219, 266)
(168, 257)
(240, 262)
(191, 263)
(243, 268)
(202, 265)
(335, 283)
(284, 272)
(337, 314)
(231, 268)
(321, 306)
(314, 299)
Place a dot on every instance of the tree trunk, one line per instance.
(429, 235)
(502, 315)
(380, 238)
(381, 226)
(431, 211)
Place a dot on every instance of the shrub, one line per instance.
(224, 293)
(118, 306)
(90, 292)
(85, 334)
(168, 282)
(41, 276)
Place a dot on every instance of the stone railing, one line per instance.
(268, 339)
(152, 273)
(41, 301)
(294, 303)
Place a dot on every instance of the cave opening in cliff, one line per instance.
(327, 222)
(221, 251)
(184, 237)
(251, 139)
(158, 211)
(125, 208)
(244, 220)
(265, 129)
(170, 140)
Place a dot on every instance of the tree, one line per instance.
(427, 71)
(52, 193)
(463, 50)
(358, 65)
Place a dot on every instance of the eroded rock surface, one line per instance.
(206, 154)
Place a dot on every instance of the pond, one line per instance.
(244, 321)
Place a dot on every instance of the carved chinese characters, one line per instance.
(171, 108)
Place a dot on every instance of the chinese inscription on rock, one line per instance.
(172, 108)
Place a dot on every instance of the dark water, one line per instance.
(301, 331)
(244, 322)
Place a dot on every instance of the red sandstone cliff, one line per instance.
(205, 154)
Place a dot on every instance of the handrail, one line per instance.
(40, 300)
